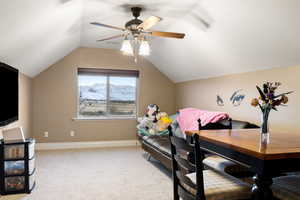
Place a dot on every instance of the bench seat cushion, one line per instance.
(161, 143)
(220, 164)
(219, 186)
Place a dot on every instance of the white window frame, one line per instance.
(107, 116)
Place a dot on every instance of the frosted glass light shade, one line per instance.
(126, 47)
(144, 48)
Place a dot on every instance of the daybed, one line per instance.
(158, 147)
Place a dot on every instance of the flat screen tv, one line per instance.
(9, 94)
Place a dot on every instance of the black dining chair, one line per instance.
(191, 182)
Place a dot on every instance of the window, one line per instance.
(107, 93)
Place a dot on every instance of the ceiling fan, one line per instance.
(136, 32)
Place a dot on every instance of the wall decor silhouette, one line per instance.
(237, 98)
(220, 101)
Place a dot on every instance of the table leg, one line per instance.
(261, 188)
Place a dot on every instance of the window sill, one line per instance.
(104, 118)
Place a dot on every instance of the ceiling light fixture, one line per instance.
(144, 48)
(127, 47)
(135, 31)
(136, 46)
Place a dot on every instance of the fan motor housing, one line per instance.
(136, 11)
(133, 24)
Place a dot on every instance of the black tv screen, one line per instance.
(9, 94)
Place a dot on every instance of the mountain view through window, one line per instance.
(106, 96)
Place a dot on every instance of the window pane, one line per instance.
(122, 95)
(92, 95)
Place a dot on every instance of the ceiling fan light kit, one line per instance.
(135, 46)
(144, 48)
(135, 32)
(126, 47)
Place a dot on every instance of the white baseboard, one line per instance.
(82, 145)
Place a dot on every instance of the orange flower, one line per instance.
(254, 102)
(285, 99)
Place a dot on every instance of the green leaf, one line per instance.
(290, 92)
(263, 97)
(274, 108)
(260, 106)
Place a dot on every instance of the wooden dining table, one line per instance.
(268, 156)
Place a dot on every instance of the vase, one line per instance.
(264, 129)
(265, 121)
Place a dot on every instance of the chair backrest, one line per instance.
(186, 158)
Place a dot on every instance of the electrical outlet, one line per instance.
(72, 133)
(46, 134)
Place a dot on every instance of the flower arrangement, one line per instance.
(268, 101)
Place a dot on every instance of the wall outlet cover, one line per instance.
(72, 133)
(46, 134)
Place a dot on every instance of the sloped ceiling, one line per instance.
(35, 34)
(243, 35)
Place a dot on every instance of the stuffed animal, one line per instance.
(163, 121)
(152, 111)
(154, 121)
(148, 121)
(147, 124)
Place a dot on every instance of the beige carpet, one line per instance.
(98, 174)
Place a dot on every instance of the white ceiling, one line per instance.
(35, 34)
(244, 35)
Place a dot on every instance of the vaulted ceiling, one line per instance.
(243, 35)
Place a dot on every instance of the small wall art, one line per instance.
(236, 98)
(220, 101)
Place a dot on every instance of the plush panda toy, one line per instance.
(152, 111)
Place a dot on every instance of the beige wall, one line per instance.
(25, 117)
(202, 94)
(55, 97)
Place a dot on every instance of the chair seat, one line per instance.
(220, 164)
(287, 187)
(219, 186)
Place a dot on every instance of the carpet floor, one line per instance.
(98, 174)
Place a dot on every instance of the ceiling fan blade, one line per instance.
(148, 23)
(110, 38)
(107, 26)
(167, 34)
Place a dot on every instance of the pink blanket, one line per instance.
(188, 118)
